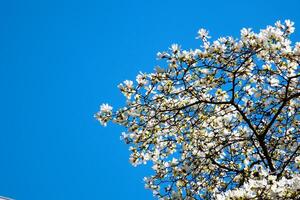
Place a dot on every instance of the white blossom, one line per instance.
(289, 24)
(105, 108)
(141, 79)
(175, 48)
(203, 33)
(128, 83)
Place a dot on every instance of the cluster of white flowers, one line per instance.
(127, 88)
(221, 121)
(105, 114)
(265, 187)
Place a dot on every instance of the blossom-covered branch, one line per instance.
(218, 122)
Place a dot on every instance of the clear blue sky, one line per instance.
(59, 59)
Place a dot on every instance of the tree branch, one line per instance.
(259, 138)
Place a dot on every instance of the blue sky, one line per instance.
(60, 59)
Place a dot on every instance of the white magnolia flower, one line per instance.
(297, 49)
(245, 32)
(266, 67)
(141, 79)
(279, 25)
(203, 33)
(175, 48)
(249, 90)
(289, 24)
(161, 55)
(105, 108)
(174, 161)
(297, 160)
(274, 82)
(128, 83)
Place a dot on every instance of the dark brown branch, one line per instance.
(198, 102)
(260, 139)
(224, 167)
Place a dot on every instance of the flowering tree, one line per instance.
(219, 122)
